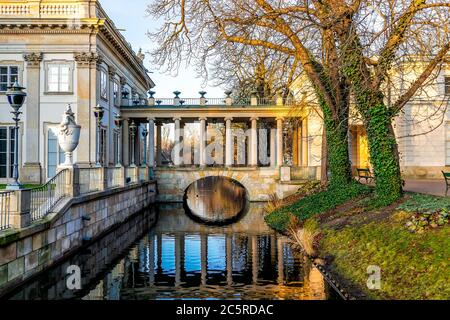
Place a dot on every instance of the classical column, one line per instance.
(151, 142)
(187, 147)
(84, 116)
(273, 147)
(229, 145)
(112, 74)
(202, 141)
(159, 144)
(280, 141)
(32, 166)
(254, 142)
(305, 146)
(177, 146)
(126, 143)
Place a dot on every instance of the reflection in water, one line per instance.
(180, 259)
(216, 199)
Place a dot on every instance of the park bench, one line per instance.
(447, 181)
(364, 173)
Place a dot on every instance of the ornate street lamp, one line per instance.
(118, 121)
(145, 135)
(16, 97)
(132, 135)
(98, 113)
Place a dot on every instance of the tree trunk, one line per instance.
(383, 153)
(337, 148)
(324, 162)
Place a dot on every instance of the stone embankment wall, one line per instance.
(74, 223)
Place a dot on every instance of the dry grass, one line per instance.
(306, 238)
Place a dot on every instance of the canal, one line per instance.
(181, 259)
(174, 251)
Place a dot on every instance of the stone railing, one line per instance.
(44, 9)
(19, 208)
(228, 101)
(5, 209)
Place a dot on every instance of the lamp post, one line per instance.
(132, 134)
(16, 97)
(98, 113)
(145, 135)
(118, 121)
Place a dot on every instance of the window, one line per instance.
(116, 93)
(103, 85)
(103, 143)
(55, 156)
(447, 85)
(8, 75)
(116, 147)
(7, 140)
(59, 77)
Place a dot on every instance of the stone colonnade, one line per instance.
(240, 147)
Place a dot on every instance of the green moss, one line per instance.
(315, 204)
(413, 266)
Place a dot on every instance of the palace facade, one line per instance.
(422, 128)
(64, 52)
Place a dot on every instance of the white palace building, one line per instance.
(69, 52)
(63, 52)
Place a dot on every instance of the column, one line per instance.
(126, 142)
(202, 141)
(187, 148)
(280, 141)
(159, 144)
(83, 114)
(151, 142)
(295, 147)
(32, 166)
(305, 147)
(254, 142)
(229, 143)
(177, 146)
(273, 148)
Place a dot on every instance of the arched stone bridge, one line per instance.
(260, 182)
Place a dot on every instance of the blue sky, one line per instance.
(130, 15)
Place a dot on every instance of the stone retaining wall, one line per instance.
(74, 222)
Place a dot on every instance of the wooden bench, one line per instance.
(364, 173)
(447, 181)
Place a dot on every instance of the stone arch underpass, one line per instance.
(259, 182)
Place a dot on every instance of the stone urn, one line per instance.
(68, 133)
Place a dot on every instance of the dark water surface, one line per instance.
(181, 259)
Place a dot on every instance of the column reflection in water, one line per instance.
(181, 259)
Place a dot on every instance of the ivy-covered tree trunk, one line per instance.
(383, 153)
(337, 144)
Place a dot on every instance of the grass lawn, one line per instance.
(314, 204)
(354, 235)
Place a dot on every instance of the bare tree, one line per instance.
(198, 31)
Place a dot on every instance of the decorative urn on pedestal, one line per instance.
(68, 133)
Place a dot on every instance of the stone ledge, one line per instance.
(12, 235)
